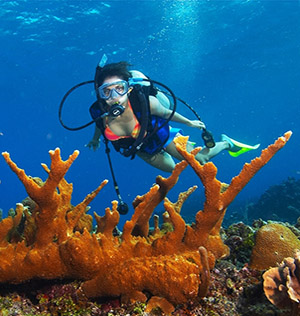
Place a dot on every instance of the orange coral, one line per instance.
(281, 243)
(174, 265)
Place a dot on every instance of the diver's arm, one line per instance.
(158, 109)
(95, 142)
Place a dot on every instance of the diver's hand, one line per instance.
(93, 144)
(196, 124)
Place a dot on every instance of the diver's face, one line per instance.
(114, 90)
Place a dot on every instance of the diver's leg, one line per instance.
(162, 160)
(171, 149)
(204, 155)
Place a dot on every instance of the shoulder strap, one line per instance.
(140, 102)
(96, 113)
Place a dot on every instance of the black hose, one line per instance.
(62, 103)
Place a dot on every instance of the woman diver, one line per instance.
(120, 113)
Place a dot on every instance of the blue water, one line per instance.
(236, 62)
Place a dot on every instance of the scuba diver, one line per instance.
(133, 114)
(119, 119)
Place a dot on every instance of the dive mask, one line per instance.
(113, 89)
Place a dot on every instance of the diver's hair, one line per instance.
(119, 69)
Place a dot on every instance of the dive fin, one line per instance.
(237, 148)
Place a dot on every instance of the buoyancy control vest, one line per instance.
(152, 136)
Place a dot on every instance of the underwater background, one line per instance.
(237, 63)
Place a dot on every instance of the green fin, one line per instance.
(237, 148)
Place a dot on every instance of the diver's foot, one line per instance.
(237, 148)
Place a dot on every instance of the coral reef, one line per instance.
(279, 202)
(55, 241)
(232, 292)
(281, 243)
(240, 239)
(282, 284)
